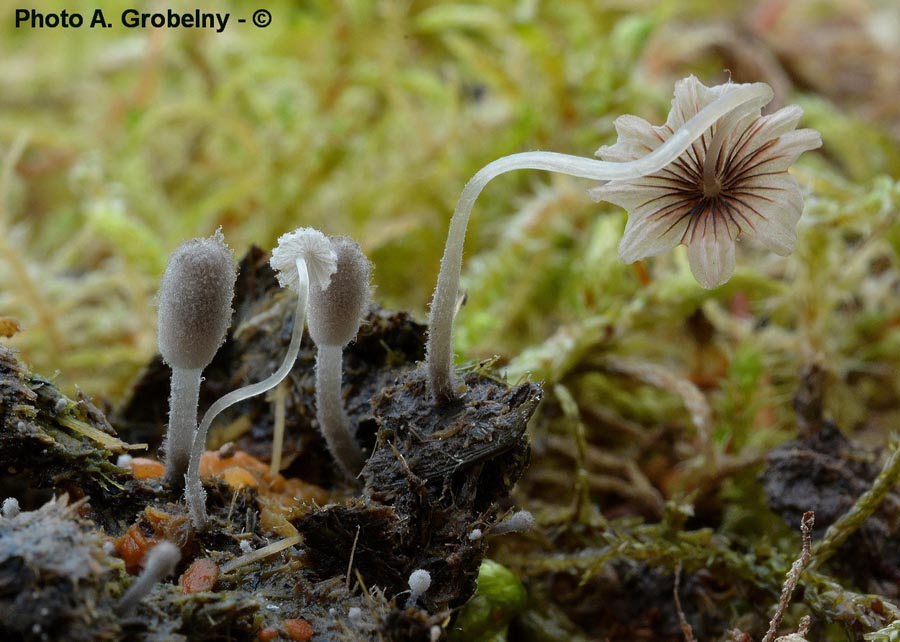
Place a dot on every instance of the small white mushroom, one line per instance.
(419, 583)
(335, 313)
(194, 314)
(518, 522)
(10, 508)
(439, 354)
(160, 563)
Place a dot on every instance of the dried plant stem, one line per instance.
(686, 629)
(261, 553)
(278, 428)
(440, 337)
(692, 397)
(793, 575)
(867, 504)
(582, 499)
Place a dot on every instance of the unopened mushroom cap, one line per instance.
(195, 301)
(335, 312)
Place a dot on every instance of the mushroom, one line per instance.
(194, 314)
(303, 259)
(742, 99)
(335, 313)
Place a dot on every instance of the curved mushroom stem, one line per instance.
(439, 355)
(194, 494)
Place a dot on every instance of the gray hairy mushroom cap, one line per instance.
(195, 301)
(335, 312)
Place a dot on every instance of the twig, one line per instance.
(261, 553)
(352, 555)
(793, 575)
(682, 620)
(278, 427)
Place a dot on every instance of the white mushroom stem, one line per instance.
(332, 417)
(160, 563)
(440, 337)
(194, 494)
(280, 403)
(183, 400)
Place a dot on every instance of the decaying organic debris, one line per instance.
(278, 551)
(827, 472)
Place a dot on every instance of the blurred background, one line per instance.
(366, 118)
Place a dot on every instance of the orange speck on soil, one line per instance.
(267, 634)
(144, 468)
(298, 629)
(278, 497)
(238, 478)
(132, 546)
(201, 575)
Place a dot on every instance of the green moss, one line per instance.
(499, 598)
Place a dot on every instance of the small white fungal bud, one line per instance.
(518, 522)
(124, 461)
(355, 614)
(419, 583)
(10, 508)
(60, 405)
(245, 546)
(475, 535)
(195, 302)
(334, 316)
(159, 563)
(311, 246)
(335, 312)
(435, 633)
